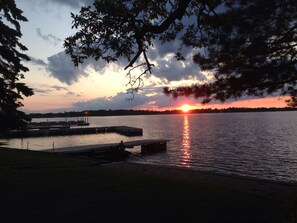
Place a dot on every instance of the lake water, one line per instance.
(262, 145)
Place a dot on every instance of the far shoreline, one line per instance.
(131, 112)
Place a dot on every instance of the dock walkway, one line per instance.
(148, 146)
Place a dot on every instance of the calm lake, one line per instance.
(262, 145)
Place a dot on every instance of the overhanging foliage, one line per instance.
(248, 46)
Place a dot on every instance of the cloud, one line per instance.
(59, 88)
(142, 100)
(166, 66)
(44, 89)
(37, 62)
(41, 91)
(61, 67)
(48, 37)
(72, 94)
(72, 3)
(115, 102)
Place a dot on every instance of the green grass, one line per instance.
(64, 189)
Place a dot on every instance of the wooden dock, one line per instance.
(123, 130)
(111, 151)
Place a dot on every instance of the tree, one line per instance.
(292, 102)
(250, 47)
(11, 68)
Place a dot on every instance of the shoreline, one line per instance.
(284, 191)
(68, 189)
(171, 170)
(271, 189)
(222, 174)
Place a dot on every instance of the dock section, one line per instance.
(123, 130)
(113, 151)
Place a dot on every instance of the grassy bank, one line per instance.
(38, 187)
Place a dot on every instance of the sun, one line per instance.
(185, 108)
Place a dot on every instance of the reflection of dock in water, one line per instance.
(57, 124)
(123, 130)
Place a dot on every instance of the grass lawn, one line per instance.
(39, 187)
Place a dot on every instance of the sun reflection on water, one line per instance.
(186, 142)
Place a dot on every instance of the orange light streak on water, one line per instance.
(186, 142)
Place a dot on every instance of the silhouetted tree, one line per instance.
(11, 69)
(292, 102)
(250, 47)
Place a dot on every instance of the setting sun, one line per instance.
(185, 108)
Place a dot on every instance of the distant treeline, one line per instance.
(150, 112)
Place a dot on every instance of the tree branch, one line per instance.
(177, 14)
(140, 50)
(140, 36)
(136, 80)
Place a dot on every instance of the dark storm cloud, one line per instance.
(48, 37)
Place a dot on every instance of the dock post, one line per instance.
(153, 148)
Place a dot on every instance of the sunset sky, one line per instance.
(59, 86)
